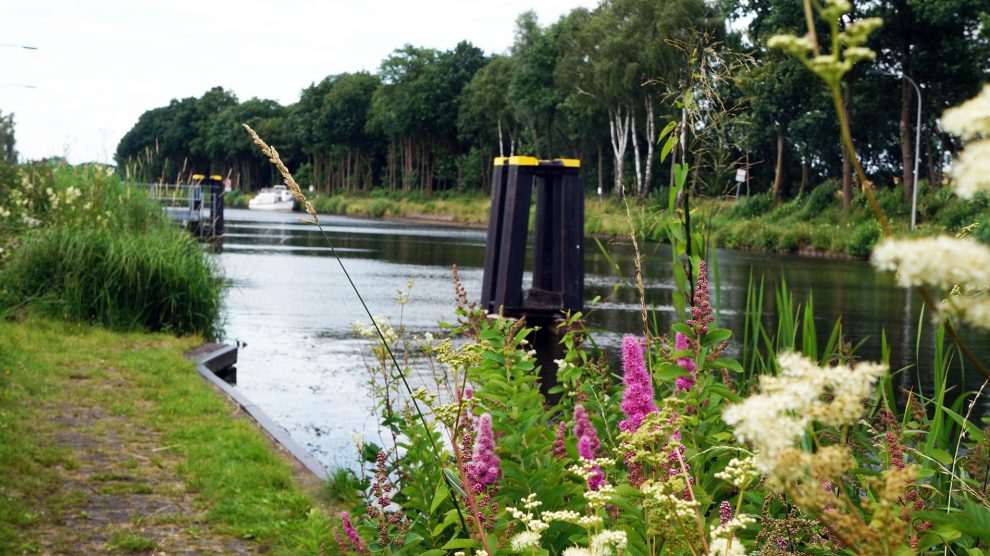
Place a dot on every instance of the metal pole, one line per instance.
(917, 153)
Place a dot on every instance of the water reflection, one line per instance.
(292, 306)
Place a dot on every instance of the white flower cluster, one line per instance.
(739, 472)
(971, 119)
(602, 544)
(722, 541)
(943, 262)
(790, 402)
(532, 523)
(940, 261)
(723, 547)
(525, 541)
(667, 502)
(368, 332)
(597, 499)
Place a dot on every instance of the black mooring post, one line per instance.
(492, 248)
(515, 229)
(558, 251)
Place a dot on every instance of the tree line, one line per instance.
(598, 85)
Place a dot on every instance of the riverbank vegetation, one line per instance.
(81, 244)
(112, 442)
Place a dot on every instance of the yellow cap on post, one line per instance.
(523, 161)
(569, 162)
(500, 161)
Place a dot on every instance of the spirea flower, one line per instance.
(724, 512)
(938, 261)
(485, 468)
(637, 398)
(584, 428)
(971, 169)
(559, 446)
(355, 540)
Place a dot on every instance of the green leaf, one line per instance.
(666, 129)
(683, 329)
(667, 147)
(441, 494)
(454, 481)
(449, 519)
(724, 363)
(668, 371)
(716, 335)
(460, 543)
(680, 174)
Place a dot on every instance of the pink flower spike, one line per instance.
(637, 399)
(355, 540)
(583, 428)
(485, 464)
(559, 446)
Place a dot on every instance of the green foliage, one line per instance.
(863, 237)
(820, 199)
(85, 246)
(159, 281)
(752, 206)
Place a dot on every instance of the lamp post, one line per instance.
(4, 86)
(917, 144)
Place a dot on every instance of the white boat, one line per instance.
(275, 198)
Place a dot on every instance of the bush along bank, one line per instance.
(815, 222)
(80, 244)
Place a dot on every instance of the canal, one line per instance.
(291, 310)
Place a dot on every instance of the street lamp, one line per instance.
(20, 46)
(2, 87)
(917, 144)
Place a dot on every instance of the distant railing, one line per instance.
(196, 207)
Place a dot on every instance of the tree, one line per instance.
(7, 141)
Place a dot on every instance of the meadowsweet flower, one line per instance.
(974, 310)
(722, 547)
(939, 261)
(788, 403)
(603, 543)
(970, 119)
(971, 169)
(739, 472)
(525, 541)
(637, 399)
(485, 468)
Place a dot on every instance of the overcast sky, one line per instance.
(100, 64)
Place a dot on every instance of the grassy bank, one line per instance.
(112, 442)
(811, 223)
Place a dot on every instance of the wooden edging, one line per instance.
(274, 430)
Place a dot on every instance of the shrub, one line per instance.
(753, 206)
(863, 237)
(820, 200)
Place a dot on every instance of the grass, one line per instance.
(65, 454)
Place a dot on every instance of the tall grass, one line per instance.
(159, 281)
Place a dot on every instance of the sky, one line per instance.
(100, 64)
